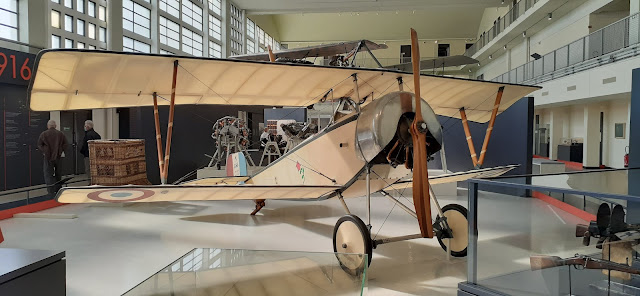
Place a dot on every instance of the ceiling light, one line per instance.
(377, 13)
(502, 2)
(524, 33)
(549, 16)
(478, 64)
(396, 12)
(357, 13)
(436, 41)
(469, 70)
(490, 57)
(414, 12)
(505, 47)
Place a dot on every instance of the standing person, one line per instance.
(52, 144)
(264, 137)
(89, 134)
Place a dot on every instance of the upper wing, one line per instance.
(457, 177)
(436, 63)
(67, 79)
(131, 193)
(324, 50)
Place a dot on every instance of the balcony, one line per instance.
(503, 22)
(612, 43)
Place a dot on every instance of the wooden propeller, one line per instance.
(418, 131)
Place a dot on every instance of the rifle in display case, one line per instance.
(586, 262)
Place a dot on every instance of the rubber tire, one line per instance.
(462, 210)
(366, 237)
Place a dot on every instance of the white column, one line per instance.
(634, 6)
(105, 123)
(556, 123)
(55, 115)
(591, 148)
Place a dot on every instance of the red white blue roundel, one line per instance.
(120, 195)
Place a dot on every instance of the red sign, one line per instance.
(15, 66)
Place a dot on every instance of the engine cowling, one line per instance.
(382, 132)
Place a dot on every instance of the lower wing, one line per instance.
(456, 177)
(132, 193)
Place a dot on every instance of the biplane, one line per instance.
(371, 145)
(341, 54)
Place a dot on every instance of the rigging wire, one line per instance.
(394, 204)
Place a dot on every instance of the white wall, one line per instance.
(569, 28)
(576, 122)
(489, 16)
(614, 149)
(498, 66)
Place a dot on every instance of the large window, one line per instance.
(91, 7)
(215, 50)
(68, 3)
(91, 31)
(80, 27)
(169, 33)
(9, 19)
(191, 42)
(68, 23)
(80, 6)
(102, 13)
(102, 34)
(216, 6)
(55, 41)
(192, 14)
(55, 19)
(236, 30)
(215, 29)
(251, 46)
(251, 29)
(132, 45)
(136, 18)
(172, 7)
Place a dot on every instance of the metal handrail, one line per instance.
(501, 23)
(618, 40)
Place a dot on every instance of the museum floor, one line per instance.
(110, 249)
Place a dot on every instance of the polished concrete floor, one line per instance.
(110, 249)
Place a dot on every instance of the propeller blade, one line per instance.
(418, 130)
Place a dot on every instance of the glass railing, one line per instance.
(29, 195)
(531, 246)
(213, 271)
(500, 25)
(582, 54)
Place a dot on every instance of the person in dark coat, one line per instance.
(52, 144)
(89, 134)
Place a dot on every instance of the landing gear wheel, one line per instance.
(457, 220)
(351, 236)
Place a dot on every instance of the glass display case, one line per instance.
(540, 245)
(213, 272)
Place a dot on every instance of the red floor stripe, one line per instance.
(565, 207)
(577, 166)
(36, 207)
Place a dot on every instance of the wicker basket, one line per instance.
(117, 162)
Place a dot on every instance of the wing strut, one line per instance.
(467, 133)
(158, 135)
(164, 164)
(261, 203)
(477, 162)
